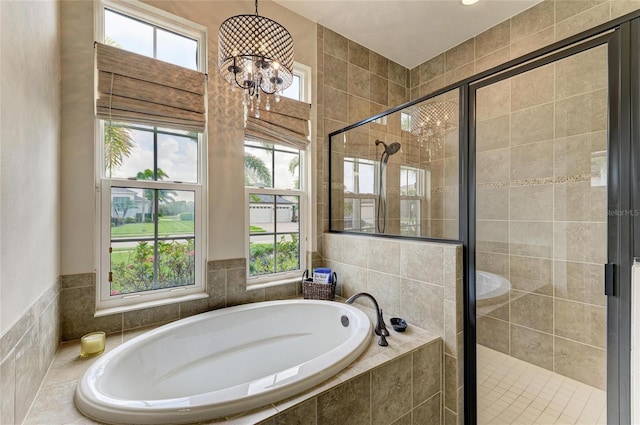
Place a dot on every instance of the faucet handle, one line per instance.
(383, 341)
(383, 327)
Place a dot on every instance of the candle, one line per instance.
(92, 344)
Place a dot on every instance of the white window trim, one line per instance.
(105, 302)
(274, 279)
(304, 72)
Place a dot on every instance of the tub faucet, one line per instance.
(380, 328)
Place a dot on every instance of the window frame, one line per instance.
(358, 196)
(105, 302)
(302, 193)
(421, 184)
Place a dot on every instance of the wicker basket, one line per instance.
(318, 291)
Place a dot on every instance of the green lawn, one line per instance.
(120, 255)
(256, 229)
(167, 226)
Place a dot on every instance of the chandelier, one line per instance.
(431, 122)
(255, 54)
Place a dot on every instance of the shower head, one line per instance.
(389, 149)
(392, 148)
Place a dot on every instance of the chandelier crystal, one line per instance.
(431, 122)
(256, 54)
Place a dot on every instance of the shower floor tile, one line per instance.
(511, 391)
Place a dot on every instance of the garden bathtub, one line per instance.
(223, 362)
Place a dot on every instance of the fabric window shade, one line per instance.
(287, 123)
(138, 89)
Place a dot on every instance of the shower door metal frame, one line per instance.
(619, 226)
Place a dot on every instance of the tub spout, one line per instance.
(381, 328)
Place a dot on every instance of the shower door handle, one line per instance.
(609, 282)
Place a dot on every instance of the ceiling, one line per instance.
(408, 32)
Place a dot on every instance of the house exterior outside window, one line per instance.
(150, 178)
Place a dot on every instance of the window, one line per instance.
(300, 88)
(360, 192)
(151, 179)
(275, 200)
(412, 191)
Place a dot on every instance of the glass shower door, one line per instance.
(541, 242)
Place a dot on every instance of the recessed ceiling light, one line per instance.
(469, 2)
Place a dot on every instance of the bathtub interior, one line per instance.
(185, 362)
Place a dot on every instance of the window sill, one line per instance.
(263, 285)
(149, 304)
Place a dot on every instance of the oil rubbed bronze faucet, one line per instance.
(380, 328)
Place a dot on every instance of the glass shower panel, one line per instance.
(398, 175)
(541, 238)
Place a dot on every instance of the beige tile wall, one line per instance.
(356, 83)
(539, 26)
(353, 83)
(226, 286)
(418, 281)
(26, 351)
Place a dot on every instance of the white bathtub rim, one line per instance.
(501, 286)
(139, 411)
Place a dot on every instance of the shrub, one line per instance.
(262, 259)
(186, 216)
(176, 267)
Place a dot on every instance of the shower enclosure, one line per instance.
(541, 222)
(536, 173)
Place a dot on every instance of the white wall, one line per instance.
(29, 154)
(226, 225)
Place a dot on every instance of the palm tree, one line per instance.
(118, 141)
(293, 164)
(121, 206)
(118, 144)
(164, 196)
(256, 171)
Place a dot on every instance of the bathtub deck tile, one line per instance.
(250, 417)
(69, 366)
(306, 395)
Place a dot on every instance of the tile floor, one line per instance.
(514, 392)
